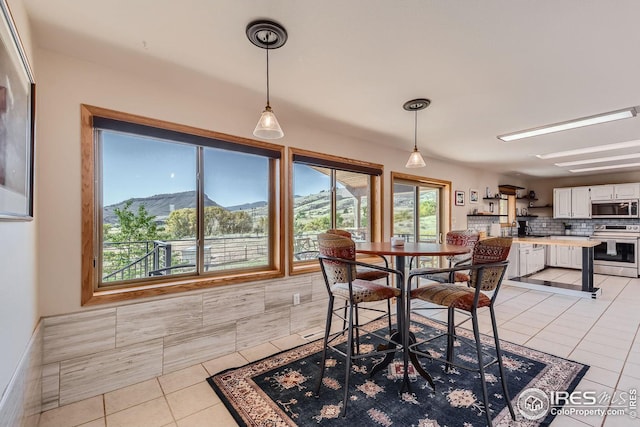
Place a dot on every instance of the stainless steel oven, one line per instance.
(614, 209)
(618, 253)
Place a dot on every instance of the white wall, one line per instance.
(66, 82)
(18, 296)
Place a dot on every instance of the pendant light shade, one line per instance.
(415, 159)
(268, 126)
(267, 35)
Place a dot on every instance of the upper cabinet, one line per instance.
(615, 191)
(580, 202)
(562, 202)
(573, 202)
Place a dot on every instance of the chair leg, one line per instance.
(451, 331)
(344, 316)
(499, 357)
(357, 329)
(348, 362)
(327, 330)
(389, 316)
(476, 334)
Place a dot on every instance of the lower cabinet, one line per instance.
(531, 259)
(566, 256)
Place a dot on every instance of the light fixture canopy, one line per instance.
(415, 105)
(625, 113)
(267, 35)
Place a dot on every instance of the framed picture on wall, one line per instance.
(16, 124)
(473, 196)
(459, 198)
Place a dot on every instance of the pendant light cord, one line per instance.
(267, 43)
(415, 131)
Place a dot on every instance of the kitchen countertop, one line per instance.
(556, 241)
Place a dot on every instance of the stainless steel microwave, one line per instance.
(614, 209)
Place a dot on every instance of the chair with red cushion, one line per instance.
(366, 273)
(486, 271)
(460, 238)
(338, 264)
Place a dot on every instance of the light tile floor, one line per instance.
(602, 333)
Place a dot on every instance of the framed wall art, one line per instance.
(473, 196)
(17, 108)
(459, 198)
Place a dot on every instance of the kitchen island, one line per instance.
(587, 260)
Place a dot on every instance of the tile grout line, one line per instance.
(556, 318)
(624, 365)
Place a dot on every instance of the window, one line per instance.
(420, 210)
(151, 226)
(330, 192)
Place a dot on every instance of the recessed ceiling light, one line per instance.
(601, 168)
(588, 150)
(571, 124)
(598, 160)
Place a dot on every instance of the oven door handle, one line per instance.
(617, 239)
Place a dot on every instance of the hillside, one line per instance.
(160, 205)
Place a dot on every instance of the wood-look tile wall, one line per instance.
(97, 351)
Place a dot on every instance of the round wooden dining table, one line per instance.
(400, 253)
(410, 249)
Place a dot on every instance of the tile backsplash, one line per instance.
(547, 225)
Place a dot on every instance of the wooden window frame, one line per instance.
(447, 195)
(376, 172)
(91, 294)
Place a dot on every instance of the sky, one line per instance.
(143, 167)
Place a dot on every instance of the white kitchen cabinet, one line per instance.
(572, 202)
(562, 202)
(536, 260)
(563, 256)
(531, 259)
(601, 192)
(569, 257)
(566, 256)
(576, 257)
(513, 268)
(626, 191)
(522, 264)
(580, 202)
(615, 191)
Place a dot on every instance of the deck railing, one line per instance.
(135, 260)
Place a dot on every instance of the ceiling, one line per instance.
(489, 67)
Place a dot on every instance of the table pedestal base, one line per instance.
(413, 358)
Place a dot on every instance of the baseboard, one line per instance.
(21, 402)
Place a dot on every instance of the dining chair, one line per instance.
(486, 272)
(366, 273)
(460, 238)
(338, 265)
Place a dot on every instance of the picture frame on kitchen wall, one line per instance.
(473, 196)
(459, 198)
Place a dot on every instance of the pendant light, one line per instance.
(267, 35)
(415, 159)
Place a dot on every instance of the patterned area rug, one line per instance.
(279, 390)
